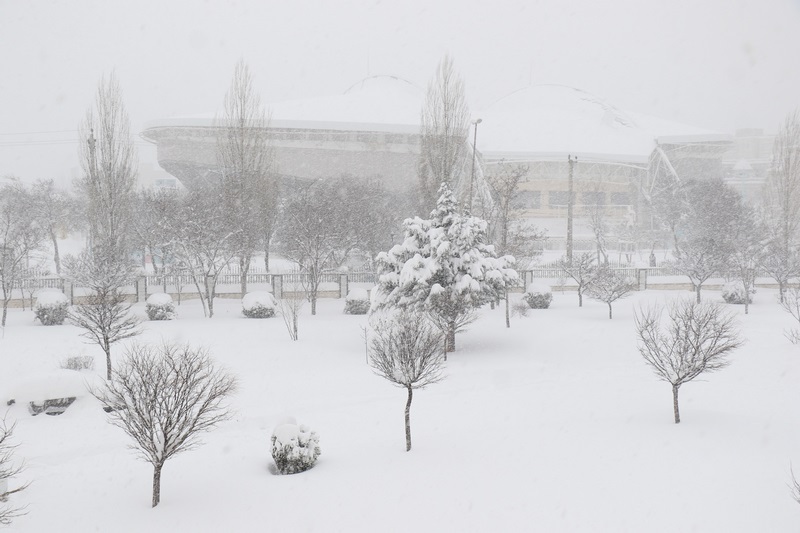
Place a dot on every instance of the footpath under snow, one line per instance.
(553, 425)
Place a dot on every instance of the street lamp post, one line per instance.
(474, 149)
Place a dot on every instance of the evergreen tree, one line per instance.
(444, 267)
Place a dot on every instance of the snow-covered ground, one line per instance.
(553, 425)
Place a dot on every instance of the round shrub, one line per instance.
(733, 293)
(357, 302)
(159, 306)
(538, 296)
(294, 448)
(51, 307)
(258, 304)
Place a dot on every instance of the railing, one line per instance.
(228, 282)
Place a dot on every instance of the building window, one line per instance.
(558, 198)
(620, 198)
(593, 198)
(527, 200)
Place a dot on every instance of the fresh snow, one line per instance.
(50, 297)
(256, 299)
(159, 299)
(555, 424)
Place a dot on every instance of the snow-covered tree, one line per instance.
(55, 211)
(245, 160)
(582, 269)
(9, 468)
(781, 204)
(204, 240)
(163, 398)
(20, 236)
(443, 267)
(746, 253)
(109, 162)
(104, 315)
(445, 126)
(697, 339)
(315, 234)
(609, 285)
(705, 232)
(406, 351)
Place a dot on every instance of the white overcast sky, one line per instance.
(718, 64)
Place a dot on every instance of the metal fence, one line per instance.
(338, 283)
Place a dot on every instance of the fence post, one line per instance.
(277, 285)
(343, 285)
(69, 291)
(141, 288)
(641, 278)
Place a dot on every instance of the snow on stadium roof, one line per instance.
(539, 122)
(543, 122)
(378, 103)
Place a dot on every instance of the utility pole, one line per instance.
(474, 149)
(93, 179)
(570, 205)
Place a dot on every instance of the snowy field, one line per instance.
(555, 424)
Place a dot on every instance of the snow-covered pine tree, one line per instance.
(444, 267)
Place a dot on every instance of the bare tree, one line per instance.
(105, 315)
(245, 158)
(609, 285)
(794, 487)
(747, 252)
(705, 233)
(582, 270)
(314, 234)
(445, 129)
(406, 351)
(791, 304)
(781, 203)
(290, 305)
(204, 241)
(9, 469)
(108, 159)
(153, 226)
(20, 236)
(698, 339)
(55, 212)
(163, 398)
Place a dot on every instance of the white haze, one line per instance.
(717, 64)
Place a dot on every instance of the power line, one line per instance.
(38, 132)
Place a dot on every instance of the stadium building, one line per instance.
(373, 130)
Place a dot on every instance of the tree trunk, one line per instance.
(244, 268)
(56, 256)
(450, 341)
(408, 419)
(508, 314)
(609, 311)
(580, 297)
(313, 301)
(5, 313)
(107, 349)
(675, 403)
(157, 483)
(267, 239)
(697, 290)
(781, 290)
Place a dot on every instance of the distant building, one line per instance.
(747, 162)
(373, 130)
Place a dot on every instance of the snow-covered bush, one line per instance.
(294, 448)
(733, 293)
(357, 302)
(538, 296)
(258, 304)
(51, 307)
(78, 362)
(520, 308)
(159, 306)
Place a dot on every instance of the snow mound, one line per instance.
(259, 304)
(56, 384)
(357, 294)
(159, 298)
(50, 297)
